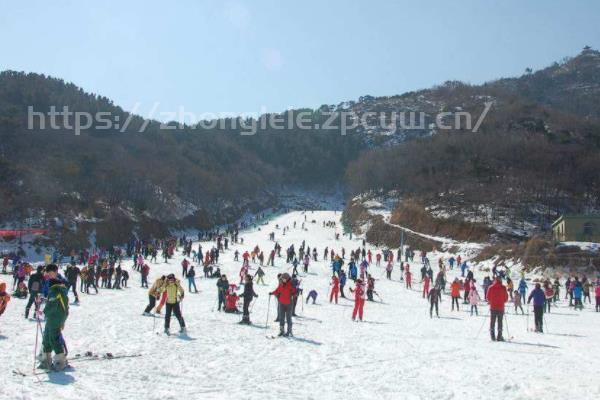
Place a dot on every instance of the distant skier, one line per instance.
(359, 300)
(222, 286)
(539, 299)
(335, 288)
(312, 295)
(434, 297)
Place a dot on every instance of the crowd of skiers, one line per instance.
(101, 268)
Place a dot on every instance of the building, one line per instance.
(577, 228)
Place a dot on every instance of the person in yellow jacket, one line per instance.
(172, 287)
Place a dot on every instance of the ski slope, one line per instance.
(398, 352)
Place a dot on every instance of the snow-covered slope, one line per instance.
(397, 353)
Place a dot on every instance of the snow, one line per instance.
(398, 352)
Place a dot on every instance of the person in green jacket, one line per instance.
(56, 312)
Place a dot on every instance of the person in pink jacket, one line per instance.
(474, 300)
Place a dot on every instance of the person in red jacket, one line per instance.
(497, 296)
(335, 288)
(285, 293)
(359, 299)
(455, 293)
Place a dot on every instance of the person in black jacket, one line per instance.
(248, 296)
(72, 274)
(222, 286)
(34, 285)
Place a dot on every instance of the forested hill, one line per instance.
(539, 144)
(536, 155)
(164, 175)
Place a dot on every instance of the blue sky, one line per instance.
(247, 56)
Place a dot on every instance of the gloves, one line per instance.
(255, 295)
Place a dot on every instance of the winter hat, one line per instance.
(285, 275)
(171, 276)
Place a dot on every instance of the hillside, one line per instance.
(534, 156)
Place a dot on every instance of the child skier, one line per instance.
(359, 299)
(474, 300)
(518, 302)
(335, 288)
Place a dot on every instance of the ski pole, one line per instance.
(268, 309)
(506, 322)
(527, 328)
(37, 334)
(153, 323)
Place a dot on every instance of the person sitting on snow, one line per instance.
(21, 292)
(231, 299)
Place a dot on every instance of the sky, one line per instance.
(235, 56)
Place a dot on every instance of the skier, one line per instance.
(474, 300)
(523, 288)
(35, 287)
(144, 273)
(597, 296)
(312, 295)
(342, 283)
(56, 312)
(260, 274)
(370, 287)
(335, 287)
(248, 296)
(222, 286)
(434, 297)
(191, 277)
(539, 298)
(455, 293)
(284, 293)
(518, 302)
(426, 281)
(175, 294)
(154, 294)
(4, 298)
(359, 299)
(389, 268)
(497, 296)
(72, 273)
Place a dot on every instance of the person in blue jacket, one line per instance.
(523, 288)
(463, 267)
(353, 270)
(342, 282)
(539, 299)
(578, 294)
